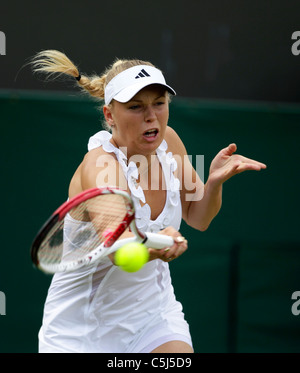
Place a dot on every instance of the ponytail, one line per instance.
(53, 62)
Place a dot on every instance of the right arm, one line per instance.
(101, 169)
(98, 169)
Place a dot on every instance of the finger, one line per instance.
(179, 239)
(232, 148)
(169, 252)
(250, 166)
(170, 259)
(177, 249)
(156, 253)
(259, 165)
(253, 162)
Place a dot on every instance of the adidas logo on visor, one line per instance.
(142, 74)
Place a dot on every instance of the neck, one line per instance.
(144, 160)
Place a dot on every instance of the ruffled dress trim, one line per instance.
(169, 165)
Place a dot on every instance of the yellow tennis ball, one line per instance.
(132, 256)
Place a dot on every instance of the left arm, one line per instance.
(202, 202)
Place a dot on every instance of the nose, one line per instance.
(150, 115)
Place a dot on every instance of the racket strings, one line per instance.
(84, 228)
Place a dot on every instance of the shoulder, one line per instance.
(95, 157)
(91, 161)
(98, 168)
(174, 142)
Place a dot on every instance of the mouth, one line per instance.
(151, 134)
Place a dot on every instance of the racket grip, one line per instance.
(154, 240)
(158, 241)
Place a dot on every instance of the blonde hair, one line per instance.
(52, 62)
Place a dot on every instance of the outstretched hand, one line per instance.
(227, 164)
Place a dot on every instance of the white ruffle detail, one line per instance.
(132, 176)
(142, 216)
(99, 139)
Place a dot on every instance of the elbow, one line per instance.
(203, 228)
(200, 226)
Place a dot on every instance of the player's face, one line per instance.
(140, 124)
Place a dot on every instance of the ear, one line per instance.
(108, 115)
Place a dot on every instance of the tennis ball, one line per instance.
(132, 256)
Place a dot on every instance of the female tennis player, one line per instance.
(101, 308)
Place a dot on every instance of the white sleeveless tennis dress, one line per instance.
(103, 309)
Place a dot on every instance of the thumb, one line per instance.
(230, 149)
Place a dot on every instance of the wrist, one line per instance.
(213, 184)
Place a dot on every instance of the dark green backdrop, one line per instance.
(237, 278)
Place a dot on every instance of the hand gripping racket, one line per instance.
(86, 228)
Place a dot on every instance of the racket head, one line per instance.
(82, 229)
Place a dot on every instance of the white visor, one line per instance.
(129, 82)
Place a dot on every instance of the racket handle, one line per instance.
(154, 240)
(158, 241)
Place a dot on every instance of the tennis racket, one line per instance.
(86, 228)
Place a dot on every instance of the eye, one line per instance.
(134, 107)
